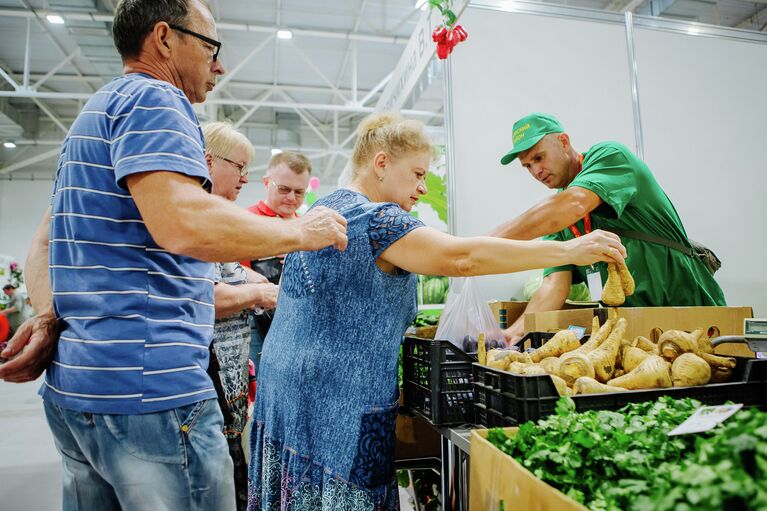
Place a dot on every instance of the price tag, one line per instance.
(705, 418)
(594, 281)
(579, 331)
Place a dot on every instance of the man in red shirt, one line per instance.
(286, 182)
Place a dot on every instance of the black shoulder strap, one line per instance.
(214, 371)
(651, 238)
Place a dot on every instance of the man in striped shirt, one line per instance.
(126, 308)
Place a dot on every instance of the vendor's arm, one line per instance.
(9, 310)
(550, 296)
(550, 215)
(430, 252)
(37, 336)
(233, 299)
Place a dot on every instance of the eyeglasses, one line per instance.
(212, 42)
(242, 168)
(285, 190)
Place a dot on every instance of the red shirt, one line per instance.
(262, 209)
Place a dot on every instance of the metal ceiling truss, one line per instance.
(346, 107)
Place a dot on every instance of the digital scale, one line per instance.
(754, 335)
(755, 332)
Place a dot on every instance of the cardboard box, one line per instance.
(642, 320)
(416, 438)
(496, 476)
(515, 309)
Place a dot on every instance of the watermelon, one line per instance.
(435, 290)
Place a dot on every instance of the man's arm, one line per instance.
(231, 299)
(550, 215)
(550, 296)
(9, 310)
(184, 219)
(37, 336)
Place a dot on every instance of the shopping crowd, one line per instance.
(145, 323)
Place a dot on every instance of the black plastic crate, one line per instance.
(529, 398)
(534, 340)
(437, 381)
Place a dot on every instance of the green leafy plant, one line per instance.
(625, 460)
(437, 196)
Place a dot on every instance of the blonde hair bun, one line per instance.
(374, 123)
(391, 133)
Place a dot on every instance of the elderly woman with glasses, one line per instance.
(324, 419)
(237, 290)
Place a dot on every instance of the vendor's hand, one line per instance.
(268, 296)
(322, 227)
(30, 350)
(513, 335)
(595, 247)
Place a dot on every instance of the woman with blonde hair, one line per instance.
(323, 427)
(238, 289)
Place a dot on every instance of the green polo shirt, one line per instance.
(634, 201)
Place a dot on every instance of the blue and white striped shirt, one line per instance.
(137, 319)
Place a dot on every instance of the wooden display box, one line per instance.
(642, 320)
(496, 477)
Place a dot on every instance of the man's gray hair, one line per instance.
(135, 19)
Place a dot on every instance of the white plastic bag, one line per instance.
(466, 316)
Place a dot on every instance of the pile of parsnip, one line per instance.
(608, 362)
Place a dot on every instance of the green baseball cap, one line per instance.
(528, 131)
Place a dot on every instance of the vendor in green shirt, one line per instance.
(607, 187)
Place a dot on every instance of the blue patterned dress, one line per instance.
(323, 429)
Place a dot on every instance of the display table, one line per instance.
(455, 468)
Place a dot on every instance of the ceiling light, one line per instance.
(284, 34)
(276, 151)
(693, 30)
(9, 145)
(55, 19)
(422, 4)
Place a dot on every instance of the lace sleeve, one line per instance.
(388, 224)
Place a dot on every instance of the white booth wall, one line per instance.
(704, 117)
(700, 140)
(22, 205)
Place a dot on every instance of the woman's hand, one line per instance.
(595, 247)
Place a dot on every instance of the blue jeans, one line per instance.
(176, 459)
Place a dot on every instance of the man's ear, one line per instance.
(564, 139)
(159, 38)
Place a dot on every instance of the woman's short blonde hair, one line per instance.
(390, 133)
(221, 138)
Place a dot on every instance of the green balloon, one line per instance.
(311, 198)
